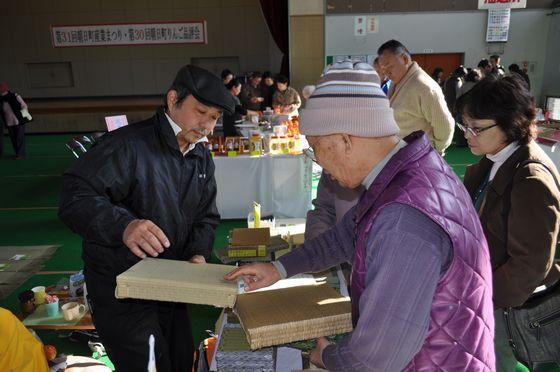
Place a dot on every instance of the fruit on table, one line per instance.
(50, 352)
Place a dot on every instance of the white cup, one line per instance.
(39, 294)
(73, 310)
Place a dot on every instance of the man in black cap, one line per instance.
(148, 190)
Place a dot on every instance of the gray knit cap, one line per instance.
(349, 100)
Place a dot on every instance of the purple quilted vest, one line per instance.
(461, 330)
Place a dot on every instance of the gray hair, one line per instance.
(307, 91)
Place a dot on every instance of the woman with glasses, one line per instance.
(514, 189)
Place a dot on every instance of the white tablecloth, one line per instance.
(553, 151)
(280, 183)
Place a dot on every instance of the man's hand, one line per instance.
(255, 275)
(145, 237)
(316, 354)
(198, 259)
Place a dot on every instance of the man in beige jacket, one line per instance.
(417, 100)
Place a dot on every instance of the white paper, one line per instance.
(372, 25)
(288, 359)
(498, 25)
(360, 25)
(294, 281)
(342, 283)
(213, 364)
(129, 34)
(501, 4)
(17, 257)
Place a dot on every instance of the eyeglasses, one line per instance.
(474, 131)
(310, 154)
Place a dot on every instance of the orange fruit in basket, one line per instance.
(50, 352)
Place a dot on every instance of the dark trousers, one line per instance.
(126, 325)
(17, 136)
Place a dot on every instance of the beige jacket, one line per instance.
(418, 104)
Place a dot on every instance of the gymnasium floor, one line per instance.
(28, 216)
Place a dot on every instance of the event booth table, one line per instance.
(280, 183)
(549, 140)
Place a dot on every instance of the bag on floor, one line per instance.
(534, 328)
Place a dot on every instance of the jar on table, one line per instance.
(256, 143)
(27, 302)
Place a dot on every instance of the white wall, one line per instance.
(236, 28)
(448, 32)
(551, 83)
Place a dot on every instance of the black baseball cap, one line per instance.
(205, 87)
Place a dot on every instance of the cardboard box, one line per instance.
(250, 237)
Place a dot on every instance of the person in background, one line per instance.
(227, 75)
(452, 88)
(515, 69)
(285, 96)
(485, 67)
(417, 100)
(268, 87)
(421, 277)
(148, 190)
(514, 189)
(385, 83)
(11, 106)
(473, 77)
(331, 204)
(234, 87)
(437, 75)
(2, 125)
(496, 66)
(251, 96)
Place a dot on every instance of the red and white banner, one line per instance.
(190, 32)
(501, 4)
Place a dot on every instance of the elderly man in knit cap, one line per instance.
(421, 277)
(148, 190)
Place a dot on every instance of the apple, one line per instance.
(50, 352)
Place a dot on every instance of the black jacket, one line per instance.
(12, 100)
(138, 172)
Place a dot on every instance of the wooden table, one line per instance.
(84, 324)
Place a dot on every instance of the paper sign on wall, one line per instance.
(498, 25)
(372, 24)
(501, 4)
(360, 25)
(129, 34)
